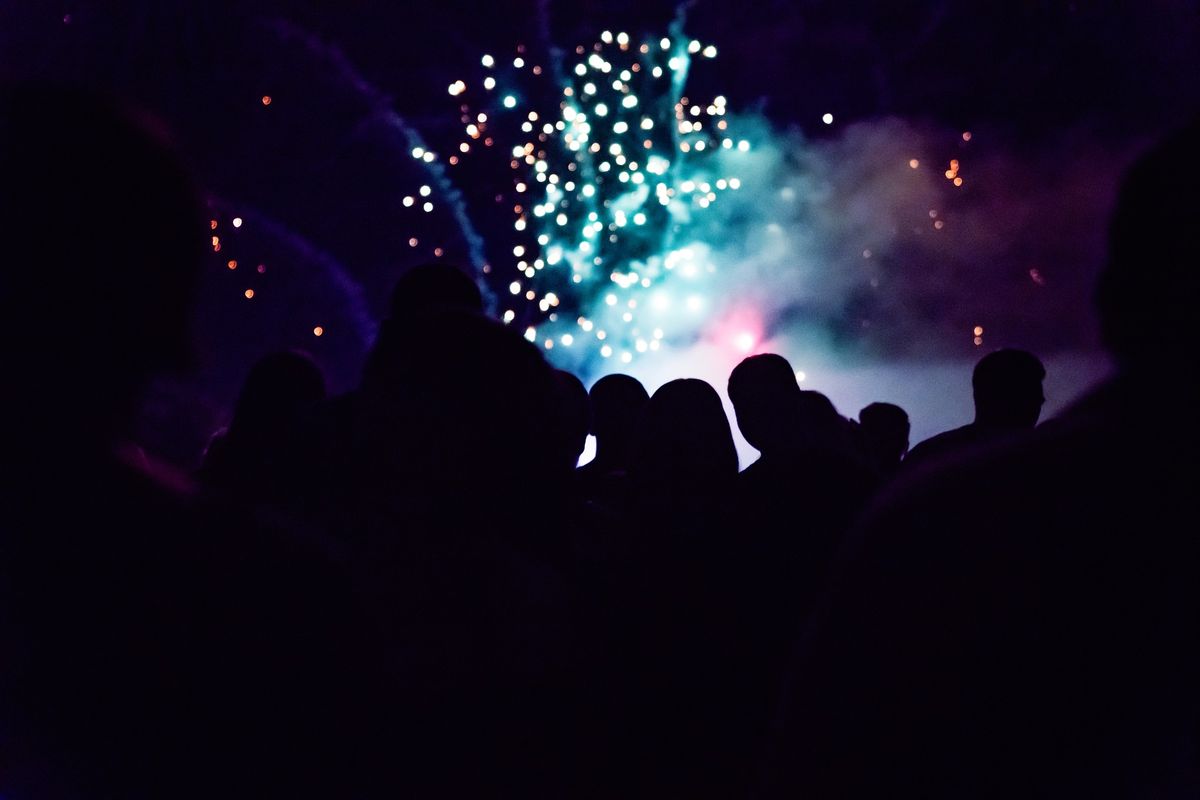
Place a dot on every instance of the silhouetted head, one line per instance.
(821, 426)
(617, 405)
(434, 287)
(764, 394)
(686, 440)
(1008, 389)
(886, 429)
(1150, 287)
(423, 291)
(103, 238)
(574, 415)
(465, 404)
(279, 390)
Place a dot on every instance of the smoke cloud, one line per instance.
(859, 258)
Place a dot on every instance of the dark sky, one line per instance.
(316, 174)
(1125, 66)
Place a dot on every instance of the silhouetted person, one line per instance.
(885, 427)
(327, 458)
(672, 610)
(766, 399)
(457, 502)
(255, 458)
(607, 548)
(617, 402)
(421, 291)
(686, 464)
(574, 415)
(106, 317)
(824, 429)
(451, 492)
(793, 505)
(1007, 386)
(686, 444)
(152, 648)
(681, 617)
(461, 403)
(807, 483)
(436, 286)
(1023, 622)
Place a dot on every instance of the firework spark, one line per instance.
(610, 167)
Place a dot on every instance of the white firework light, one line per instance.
(612, 166)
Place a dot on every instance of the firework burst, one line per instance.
(610, 168)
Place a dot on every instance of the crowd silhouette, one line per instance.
(411, 590)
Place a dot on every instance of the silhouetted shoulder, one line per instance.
(984, 600)
(939, 445)
(150, 608)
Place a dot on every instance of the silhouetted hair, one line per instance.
(821, 426)
(421, 292)
(434, 287)
(617, 405)
(574, 414)
(257, 454)
(764, 394)
(103, 238)
(471, 404)
(1007, 385)
(686, 440)
(817, 407)
(886, 428)
(1149, 289)
(279, 388)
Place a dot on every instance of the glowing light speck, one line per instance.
(600, 196)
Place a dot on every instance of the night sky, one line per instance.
(1057, 98)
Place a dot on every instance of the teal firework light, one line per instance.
(612, 166)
